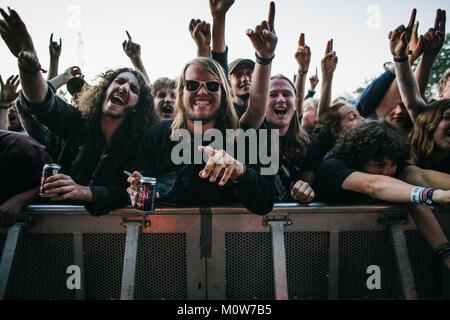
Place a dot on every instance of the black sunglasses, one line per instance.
(194, 85)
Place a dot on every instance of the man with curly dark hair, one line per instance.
(369, 162)
(100, 138)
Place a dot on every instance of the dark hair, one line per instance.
(370, 140)
(131, 130)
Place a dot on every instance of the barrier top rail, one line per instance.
(315, 207)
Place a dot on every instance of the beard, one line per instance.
(189, 115)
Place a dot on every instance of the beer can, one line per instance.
(146, 194)
(48, 171)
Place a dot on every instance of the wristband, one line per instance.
(301, 73)
(421, 195)
(415, 194)
(263, 61)
(401, 59)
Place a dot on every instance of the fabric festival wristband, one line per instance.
(415, 194)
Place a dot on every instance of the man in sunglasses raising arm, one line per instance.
(204, 102)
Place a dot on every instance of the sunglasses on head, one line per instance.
(194, 85)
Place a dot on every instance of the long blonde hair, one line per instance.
(227, 117)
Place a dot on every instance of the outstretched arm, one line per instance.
(133, 51)
(7, 96)
(392, 95)
(64, 77)
(329, 63)
(303, 57)
(201, 33)
(219, 9)
(19, 42)
(55, 53)
(433, 40)
(407, 84)
(264, 40)
(387, 188)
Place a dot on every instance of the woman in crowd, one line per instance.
(430, 139)
(298, 151)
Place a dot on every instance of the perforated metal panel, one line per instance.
(40, 269)
(307, 264)
(161, 266)
(425, 265)
(103, 265)
(358, 251)
(249, 266)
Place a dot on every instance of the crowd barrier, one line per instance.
(295, 252)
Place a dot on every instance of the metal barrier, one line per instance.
(295, 252)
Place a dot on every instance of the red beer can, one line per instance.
(146, 194)
(48, 171)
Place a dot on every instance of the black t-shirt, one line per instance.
(331, 175)
(240, 110)
(291, 169)
(181, 185)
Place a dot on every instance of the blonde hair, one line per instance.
(227, 117)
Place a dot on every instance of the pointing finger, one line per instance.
(271, 19)
(301, 41)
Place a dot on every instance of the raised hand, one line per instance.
(201, 33)
(434, 37)
(264, 38)
(220, 164)
(9, 89)
(18, 40)
(132, 49)
(415, 44)
(220, 7)
(314, 80)
(400, 37)
(54, 47)
(329, 61)
(303, 54)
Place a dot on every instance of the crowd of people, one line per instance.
(392, 145)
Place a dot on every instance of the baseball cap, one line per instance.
(238, 62)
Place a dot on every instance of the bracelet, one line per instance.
(301, 73)
(421, 195)
(415, 194)
(401, 59)
(263, 61)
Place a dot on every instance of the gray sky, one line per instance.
(359, 29)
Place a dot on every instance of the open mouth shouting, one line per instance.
(280, 111)
(119, 99)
